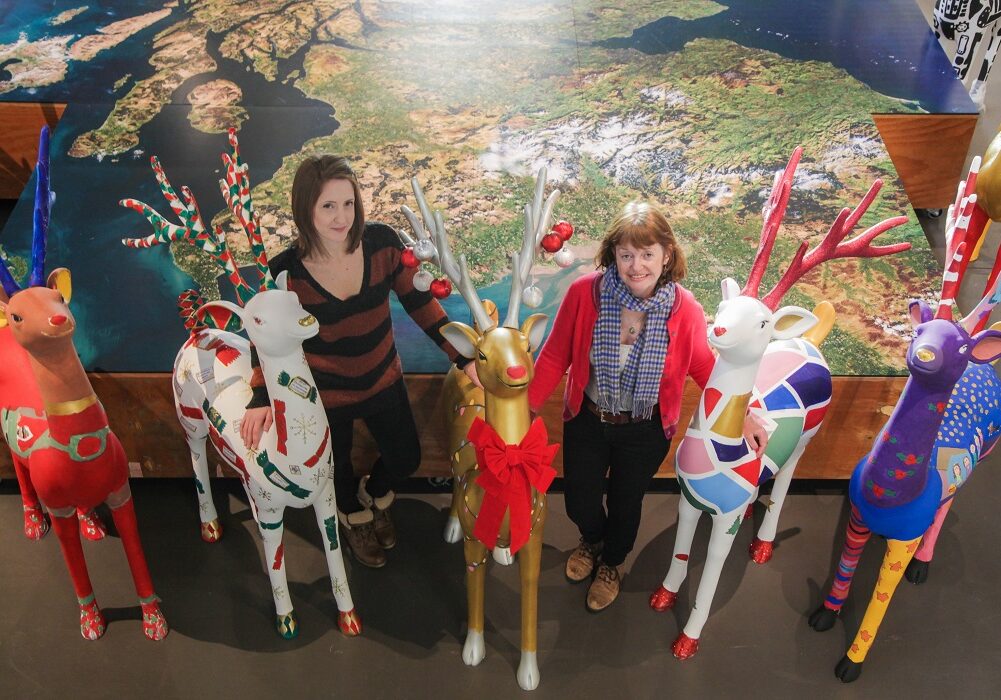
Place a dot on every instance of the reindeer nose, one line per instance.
(925, 355)
(516, 372)
(57, 320)
(718, 331)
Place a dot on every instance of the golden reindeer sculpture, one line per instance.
(503, 502)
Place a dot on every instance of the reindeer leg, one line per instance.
(35, 523)
(529, 564)
(898, 554)
(92, 623)
(272, 532)
(473, 650)
(453, 528)
(763, 544)
(917, 569)
(326, 517)
(124, 514)
(720, 542)
(666, 596)
(856, 535)
(211, 529)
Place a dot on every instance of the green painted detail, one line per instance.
(288, 626)
(733, 528)
(330, 525)
(45, 440)
(312, 394)
(694, 501)
(86, 601)
(269, 526)
(215, 418)
(284, 378)
(275, 476)
(151, 599)
(199, 487)
(298, 386)
(783, 441)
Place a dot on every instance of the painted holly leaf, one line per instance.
(733, 528)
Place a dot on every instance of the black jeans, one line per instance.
(630, 454)
(395, 435)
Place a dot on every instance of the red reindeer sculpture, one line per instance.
(74, 459)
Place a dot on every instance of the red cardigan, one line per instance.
(569, 346)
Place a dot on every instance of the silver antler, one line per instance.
(537, 216)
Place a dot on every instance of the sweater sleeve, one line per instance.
(702, 361)
(557, 352)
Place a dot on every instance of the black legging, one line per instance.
(630, 454)
(395, 435)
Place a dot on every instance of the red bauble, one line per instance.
(441, 288)
(408, 258)
(563, 229)
(551, 242)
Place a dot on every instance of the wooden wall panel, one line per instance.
(141, 411)
(20, 123)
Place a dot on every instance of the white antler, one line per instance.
(537, 215)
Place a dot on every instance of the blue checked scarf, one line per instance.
(638, 385)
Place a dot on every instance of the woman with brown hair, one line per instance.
(626, 336)
(343, 267)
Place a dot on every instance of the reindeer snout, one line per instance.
(516, 372)
(718, 331)
(57, 320)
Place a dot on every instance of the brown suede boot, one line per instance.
(604, 589)
(358, 532)
(385, 531)
(580, 564)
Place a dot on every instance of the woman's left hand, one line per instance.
(470, 370)
(755, 434)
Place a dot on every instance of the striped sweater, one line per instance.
(353, 358)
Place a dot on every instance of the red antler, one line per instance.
(773, 213)
(834, 246)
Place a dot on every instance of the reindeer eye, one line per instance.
(483, 358)
(764, 323)
(16, 318)
(963, 349)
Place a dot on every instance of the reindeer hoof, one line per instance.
(685, 647)
(154, 623)
(91, 527)
(35, 523)
(453, 530)
(92, 623)
(916, 571)
(760, 551)
(349, 623)
(212, 530)
(528, 671)
(847, 670)
(662, 599)
(473, 650)
(823, 618)
(288, 626)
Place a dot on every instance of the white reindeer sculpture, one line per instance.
(503, 500)
(293, 466)
(763, 365)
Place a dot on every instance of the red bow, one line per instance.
(508, 474)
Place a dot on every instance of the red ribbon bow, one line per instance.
(509, 472)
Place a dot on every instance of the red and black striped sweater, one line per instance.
(353, 358)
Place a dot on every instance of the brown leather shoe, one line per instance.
(358, 533)
(385, 531)
(604, 589)
(580, 563)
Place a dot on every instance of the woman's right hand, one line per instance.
(256, 422)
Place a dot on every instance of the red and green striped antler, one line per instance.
(191, 230)
(236, 191)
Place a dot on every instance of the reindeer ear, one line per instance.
(986, 347)
(792, 322)
(534, 328)
(919, 311)
(3, 314)
(222, 312)
(59, 279)
(730, 289)
(462, 337)
(281, 281)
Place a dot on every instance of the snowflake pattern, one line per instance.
(338, 586)
(203, 507)
(263, 494)
(304, 427)
(279, 592)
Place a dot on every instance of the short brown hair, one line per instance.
(642, 224)
(313, 173)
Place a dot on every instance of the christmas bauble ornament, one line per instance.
(564, 258)
(563, 229)
(424, 249)
(551, 242)
(423, 280)
(531, 297)
(441, 288)
(408, 258)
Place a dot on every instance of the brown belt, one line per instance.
(620, 418)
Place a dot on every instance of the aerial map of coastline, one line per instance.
(692, 104)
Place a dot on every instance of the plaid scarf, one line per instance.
(637, 387)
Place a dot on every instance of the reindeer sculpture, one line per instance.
(293, 466)
(762, 365)
(74, 460)
(949, 410)
(513, 456)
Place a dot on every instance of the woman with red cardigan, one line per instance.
(626, 337)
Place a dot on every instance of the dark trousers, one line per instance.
(630, 454)
(395, 434)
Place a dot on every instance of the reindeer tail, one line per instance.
(825, 312)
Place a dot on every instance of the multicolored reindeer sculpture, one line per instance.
(293, 467)
(762, 365)
(513, 456)
(74, 460)
(948, 415)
